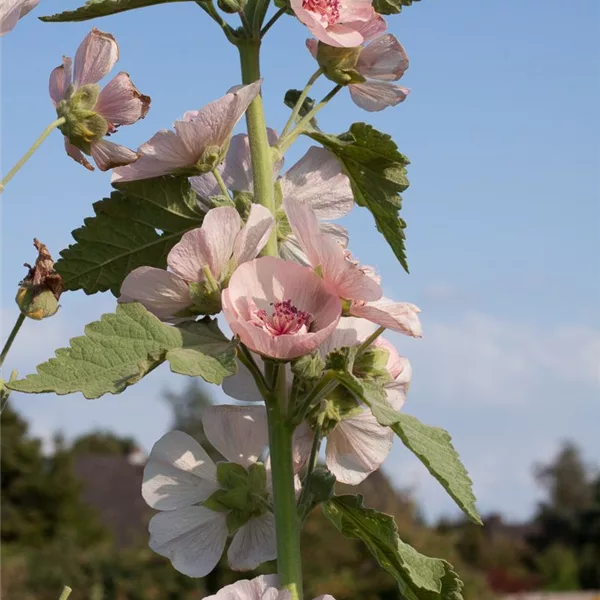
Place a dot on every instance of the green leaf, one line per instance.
(122, 347)
(391, 7)
(377, 172)
(102, 8)
(135, 227)
(419, 577)
(433, 447)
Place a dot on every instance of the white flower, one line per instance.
(198, 515)
(13, 10)
(263, 587)
(317, 178)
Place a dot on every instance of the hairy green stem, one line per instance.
(30, 152)
(301, 100)
(365, 345)
(11, 337)
(287, 522)
(260, 150)
(285, 142)
(272, 21)
(221, 183)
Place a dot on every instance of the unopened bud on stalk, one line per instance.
(339, 64)
(231, 6)
(40, 291)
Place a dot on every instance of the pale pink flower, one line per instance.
(13, 10)
(213, 250)
(343, 275)
(180, 476)
(198, 142)
(339, 23)
(119, 103)
(279, 309)
(316, 178)
(381, 62)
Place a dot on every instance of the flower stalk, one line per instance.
(11, 337)
(301, 100)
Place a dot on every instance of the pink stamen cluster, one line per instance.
(285, 320)
(330, 9)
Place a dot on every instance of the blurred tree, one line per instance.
(103, 442)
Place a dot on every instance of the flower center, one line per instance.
(285, 320)
(330, 9)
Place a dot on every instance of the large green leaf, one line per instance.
(391, 7)
(377, 172)
(433, 447)
(419, 577)
(136, 226)
(102, 8)
(123, 346)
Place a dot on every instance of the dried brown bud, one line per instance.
(40, 291)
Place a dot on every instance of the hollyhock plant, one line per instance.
(337, 23)
(263, 587)
(316, 178)
(199, 141)
(13, 10)
(90, 113)
(380, 63)
(201, 263)
(203, 503)
(279, 309)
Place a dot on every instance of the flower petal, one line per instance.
(254, 235)
(178, 473)
(60, 80)
(357, 447)
(374, 96)
(164, 294)
(109, 155)
(13, 10)
(95, 57)
(120, 102)
(317, 178)
(192, 538)
(384, 59)
(263, 587)
(77, 155)
(254, 544)
(242, 386)
(239, 433)
(402, 317)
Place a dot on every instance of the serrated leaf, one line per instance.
(122, 347)
(136, 226)
(391, 7)
(377, 173)
(419, 577)
(433, 447)
(102, 8)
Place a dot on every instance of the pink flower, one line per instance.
(279, 309)
(381, 62)
(344, 276)
(92, 113)
(13, 10)
(316, 178)
(204, 255)
(338, 23)
(199, 141)
(263, 587)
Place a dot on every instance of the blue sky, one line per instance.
(503, 213)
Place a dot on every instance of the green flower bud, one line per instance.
(36, 305)
(339, 64)
(231, 6)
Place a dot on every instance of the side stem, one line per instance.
(287, 522)
(260, 150)
(300, 102)
(11, 337)
(30, 152)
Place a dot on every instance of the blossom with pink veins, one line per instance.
(199, 141)
(263, 587)
(96, 112)
(212, 252)
(280, 309)
(180, 477)
(11, 11)
(316, 178)
(381, 62)
(357, 285)
(339, 23)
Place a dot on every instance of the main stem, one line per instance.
(287, 522)
(260, 150)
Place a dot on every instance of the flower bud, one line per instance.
(339, 64)
(40, 291)
(231, 6)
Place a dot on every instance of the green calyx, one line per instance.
(206, 294)
(82, 125)
(243, 494)
(36, 304)
(210, 159)
(372, 364)
(231, 6)
(339, 405)
(339, 64)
